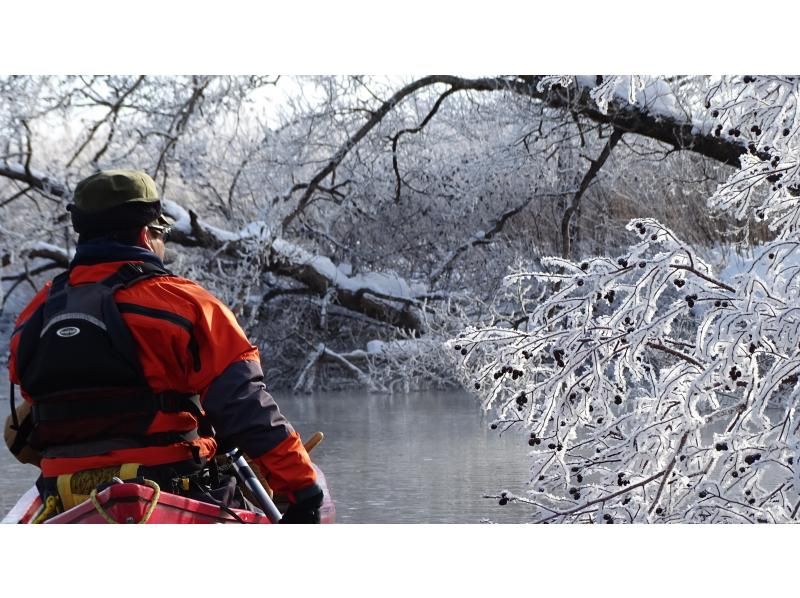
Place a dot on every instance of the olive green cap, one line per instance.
(113, 200)
(112, 188)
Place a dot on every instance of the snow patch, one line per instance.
(379, 283)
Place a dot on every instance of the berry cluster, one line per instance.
(750, 459)
(507, 369)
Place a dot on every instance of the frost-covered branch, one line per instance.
(595, 167)
(478, 238)
(36, 180)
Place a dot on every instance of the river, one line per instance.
(426, 457)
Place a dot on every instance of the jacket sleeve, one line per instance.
(22, 319)
(239, 407)
(245, 415)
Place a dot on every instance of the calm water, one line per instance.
(421, 458)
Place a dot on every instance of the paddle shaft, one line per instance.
(248, 477)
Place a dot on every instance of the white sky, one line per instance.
(409, 36)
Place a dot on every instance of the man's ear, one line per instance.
(143, 240)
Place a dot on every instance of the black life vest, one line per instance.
(78, 362)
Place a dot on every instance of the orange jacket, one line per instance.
(229, 381)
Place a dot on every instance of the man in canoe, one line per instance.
(131, 371)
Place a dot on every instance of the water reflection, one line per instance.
(420, 458)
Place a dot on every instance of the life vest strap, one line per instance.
(81, 404)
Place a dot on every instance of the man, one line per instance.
(128, 366)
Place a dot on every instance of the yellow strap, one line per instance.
(64, 487)
(51, 507)
(128, 471)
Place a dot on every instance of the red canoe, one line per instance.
(137, 503)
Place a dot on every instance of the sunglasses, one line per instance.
(161, 231)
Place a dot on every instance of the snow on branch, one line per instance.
(362, 364)
(383, 296)
(647, 109)
(35, 179)
(648, 374)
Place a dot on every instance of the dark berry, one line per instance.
(678, 282)
(642, 264)
(585, 266)
(541, 477)
(502, 501)
(477, 386)
(579, 478)
(531, 441)
(579, 283)
(617, 400)
(551, 446)
(457, 347)
(463, 351)
(493, 426)
(659, 510)
(653, 237)
(703, 494)
(607, 516)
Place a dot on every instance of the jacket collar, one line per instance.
(98, 251)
